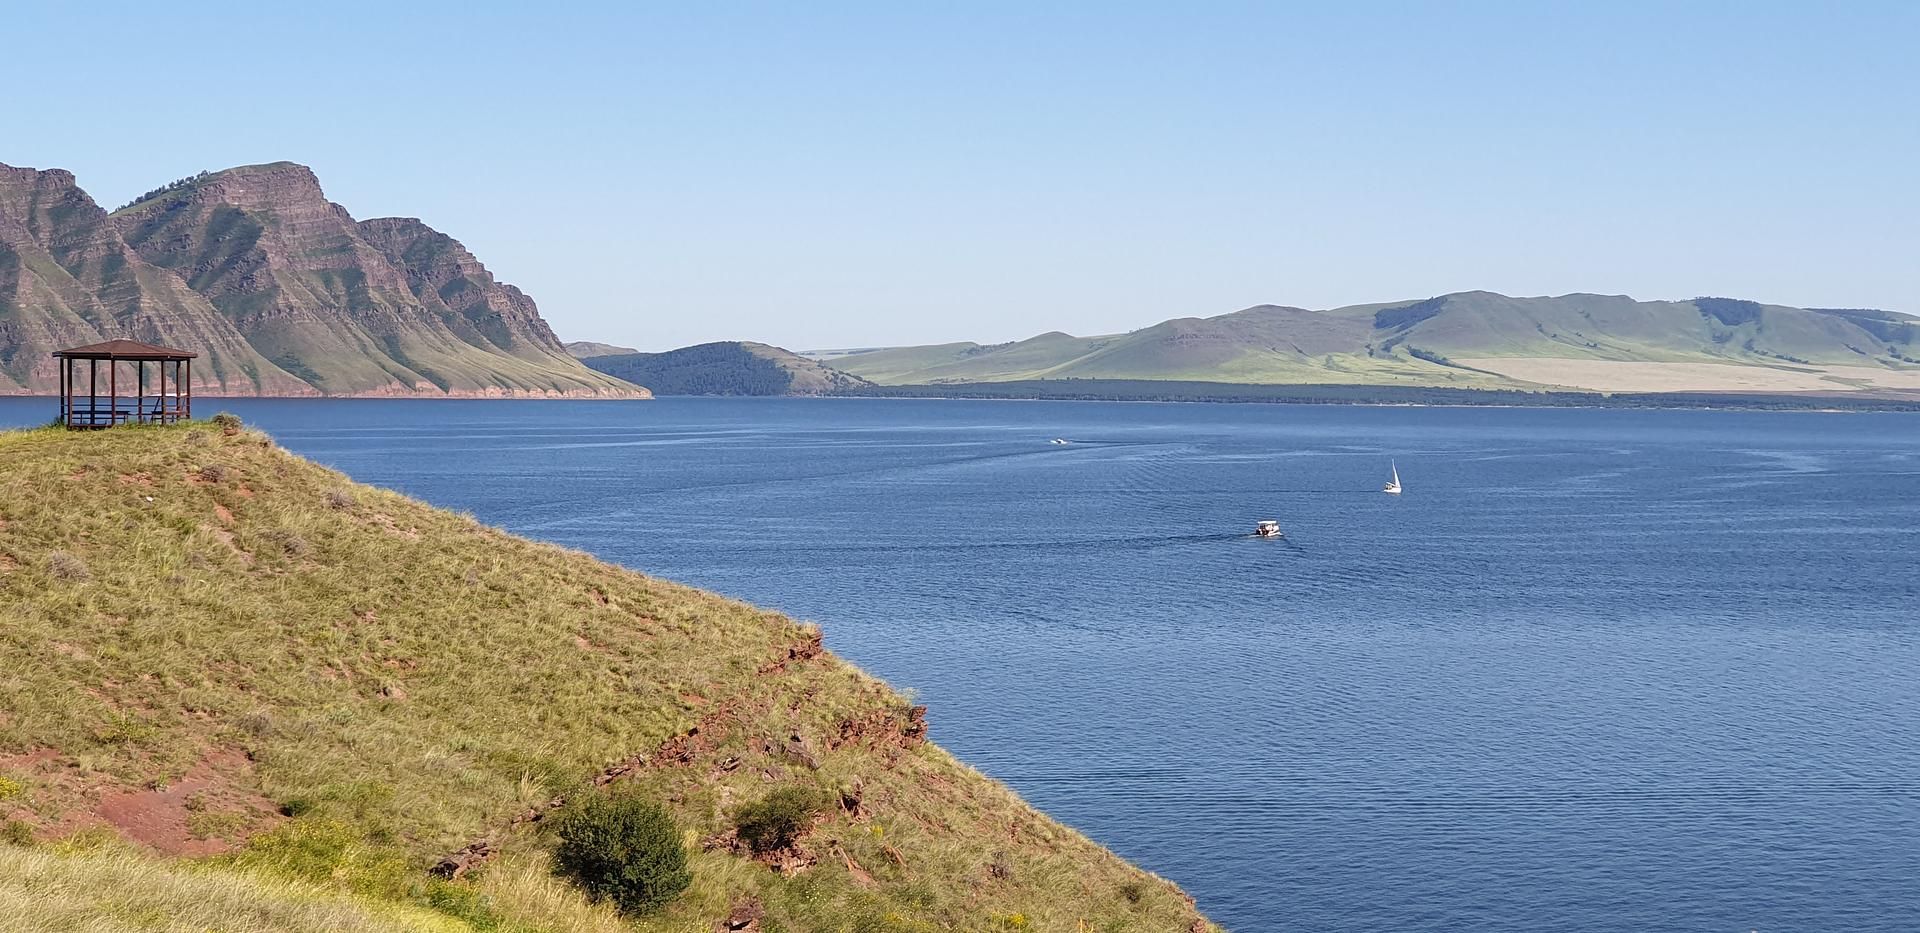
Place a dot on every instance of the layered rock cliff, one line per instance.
(282, 289)
(67, 279)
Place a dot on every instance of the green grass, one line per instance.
(116, 890)
(362, 684)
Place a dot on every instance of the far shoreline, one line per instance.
(1382, 396)
(1317, 395)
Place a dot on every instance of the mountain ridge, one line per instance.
(68, 279)
(282, 290)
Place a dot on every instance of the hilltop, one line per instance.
(728, 368)
(587, 349)
(315, 691)
(1464, 340)
(281, 290)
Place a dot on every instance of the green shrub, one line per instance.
(776, 820)
(10, 788)
(621, 849)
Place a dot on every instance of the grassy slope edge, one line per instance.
(209, 643)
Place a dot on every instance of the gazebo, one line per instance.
(96, 411)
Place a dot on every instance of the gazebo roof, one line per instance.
(125, 350)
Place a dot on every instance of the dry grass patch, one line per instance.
(116, 891)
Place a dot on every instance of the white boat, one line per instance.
(1268, 528)
(1392, 487)
(1059, 440)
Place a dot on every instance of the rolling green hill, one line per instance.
(1469, 339)
(727, 368)
(235, 681)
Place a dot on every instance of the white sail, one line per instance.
(1393, 485)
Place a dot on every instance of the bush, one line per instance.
(288, 542)
(65, 566)
(621, 849)
(213, 473)
(776, 820)
(228, 422)
(339, 499)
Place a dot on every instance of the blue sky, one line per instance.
(830, 175)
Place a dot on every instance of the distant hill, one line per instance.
(584, 349)
(282, 291)
(727, 368)
(1469, 339)
(213, 647)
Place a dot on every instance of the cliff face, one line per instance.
(67, 278)
(441, 272)
(281, 288)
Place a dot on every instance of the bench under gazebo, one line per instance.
(170, 401)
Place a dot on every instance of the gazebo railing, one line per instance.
(84, 406)
(104, 412)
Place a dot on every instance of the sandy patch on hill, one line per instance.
(1623, 376)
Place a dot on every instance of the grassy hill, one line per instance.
(1464, 340)
(229, 670)
(726, 368)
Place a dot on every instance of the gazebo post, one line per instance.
(160, 403)
(93, 393)
(189, 387)
(66, 384)
(140, 390)
(113, 392)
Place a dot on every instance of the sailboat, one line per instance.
(1392, 487)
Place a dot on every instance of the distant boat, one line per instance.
(1268, 528)
(1059, 440)
(1392, 487)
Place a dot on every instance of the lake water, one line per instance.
(1604, 670)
